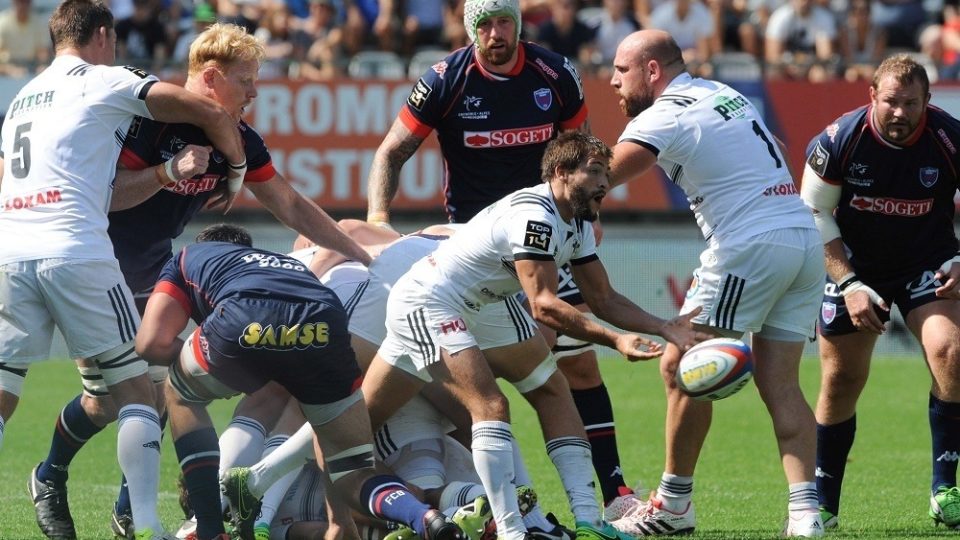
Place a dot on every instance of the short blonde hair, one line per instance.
(223, 45)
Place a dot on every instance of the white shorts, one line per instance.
(419, 324)
(775, 279)
(363, 296)
(416, 420)
(304, 501)
(87, 300)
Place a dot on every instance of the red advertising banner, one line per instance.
(323, 137)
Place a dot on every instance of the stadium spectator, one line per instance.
(902, 21)
(421, 24)
(454, 32)
(434, 105)
(69, 193)
(761, 272)
(566, 34)
(142, 38)
(232, 289)
(692, 26)
(24, 40)
(276, 33)
(168, 174)
(615, 24)
(949, 46)
(862, 45)
(317, 44)
(372, 21)
(800, 42)
(753, 30)
(878, 178)
(203, 16)
(243, 13)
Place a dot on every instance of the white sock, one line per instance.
(289, 456)
(571, 457)
(456, 494)
(241, 445)
(536, 519)
(803, 499)
(675, 492)
(493, 458)
(275, 493)
(2, 425)
(138, 452)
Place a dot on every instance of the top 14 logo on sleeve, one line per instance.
(538, 235)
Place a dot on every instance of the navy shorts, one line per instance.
(303, 345)
(906, 294)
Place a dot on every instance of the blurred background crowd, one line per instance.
(814, 40)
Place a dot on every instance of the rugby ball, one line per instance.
(715, 369)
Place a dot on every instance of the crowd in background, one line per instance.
(319, 39)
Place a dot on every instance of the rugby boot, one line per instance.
(53, 512)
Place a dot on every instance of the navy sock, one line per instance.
(945, 432)
(122, 505)
(199, 456)
(833, 447)
(596, 411)
(73, 430)
(387, 498)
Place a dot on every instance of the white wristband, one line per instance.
(168, 168)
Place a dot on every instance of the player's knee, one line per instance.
(119, 364)
(540, 377)
(351, 460)
(492, 407)
(100, 408)
(12, 377)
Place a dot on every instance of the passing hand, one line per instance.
(680, 331)
(636, 347)
(949, 275)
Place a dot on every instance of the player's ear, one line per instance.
(209, 75)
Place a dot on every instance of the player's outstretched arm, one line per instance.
(304, 216)
(399, 144)
(611, 306)
(539, 282)
(630, 160)
(172, 104)
(158, 339)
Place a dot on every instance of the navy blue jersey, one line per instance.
(142, 236)
(896, 205)
(203, 275)
(494, 128)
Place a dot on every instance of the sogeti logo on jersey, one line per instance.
(929, 176)
(543, 97)
(282, 337)
(508, 137)
(419, 95)
(538, 235)
(892, 207)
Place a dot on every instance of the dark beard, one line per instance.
(580, 203)
(633, 106)
(496, 58)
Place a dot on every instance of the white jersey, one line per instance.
(477, 264)
(711, 141)
(61, 138)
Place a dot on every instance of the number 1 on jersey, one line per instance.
(770, 148)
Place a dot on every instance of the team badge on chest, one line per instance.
(929, 176)
(543, 97)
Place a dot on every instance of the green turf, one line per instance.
(740, 490)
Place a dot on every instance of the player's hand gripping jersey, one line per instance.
(476, 267)
(896, 203)
(58, 165)
(712, 143)
(493, 128)
(142, 236)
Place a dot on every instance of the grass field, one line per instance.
(740, 490)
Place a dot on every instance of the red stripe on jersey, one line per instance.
(413, 124)
(132, 161)
(261, 174)
(178, 294)
(577, 120)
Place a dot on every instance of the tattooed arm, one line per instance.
(396, 148)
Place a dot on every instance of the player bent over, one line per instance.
(265, 317)
(513, 244)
